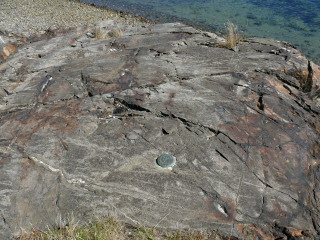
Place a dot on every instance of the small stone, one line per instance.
(91, 35)
(166, 160)
(132, 136)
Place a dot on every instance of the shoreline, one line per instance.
(27, 18)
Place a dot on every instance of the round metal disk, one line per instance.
(166, 160)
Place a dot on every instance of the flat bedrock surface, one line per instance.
(83, 120)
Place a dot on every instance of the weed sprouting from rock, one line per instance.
(232, 36)
(116, 32)
(101, 34)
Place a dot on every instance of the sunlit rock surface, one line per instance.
(83, 120)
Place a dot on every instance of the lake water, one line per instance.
(294, 21)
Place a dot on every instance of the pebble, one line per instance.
(31, 17)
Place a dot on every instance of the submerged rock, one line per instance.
(83, 119)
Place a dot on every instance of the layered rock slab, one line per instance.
(83, 121)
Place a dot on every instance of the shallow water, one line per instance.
(294, 21)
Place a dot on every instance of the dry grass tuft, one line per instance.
(232, 36)
(100, 34)
(111, 229)
(187, 236)
(116, 32)
(101, 230)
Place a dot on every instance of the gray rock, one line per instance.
(241, 125)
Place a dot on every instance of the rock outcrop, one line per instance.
(83, 120)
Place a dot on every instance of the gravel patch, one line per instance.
(29, 17)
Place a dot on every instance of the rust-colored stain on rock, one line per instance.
(60, 117)
(250, 230)
(8, 50)
(27, 163)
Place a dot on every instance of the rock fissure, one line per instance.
(58, 197)
(224, 157)
(315, 223)
(260, 104)
(287, 194)
(257, 177)
(146, 140)
(84, 83)
(159, 53)
(307, 86)
(5, 221)
(211, 44)
(246, 164)
(6, 226)
(17, 109)
(217, 203)
(132, 106)
(306, 106)
(224, 134)
(263, 201)
(188, 124)
(283, 77)
(220, 73)
(260, 93)
(302, 103)
(259, 111)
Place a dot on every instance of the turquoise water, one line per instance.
(294, 21)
